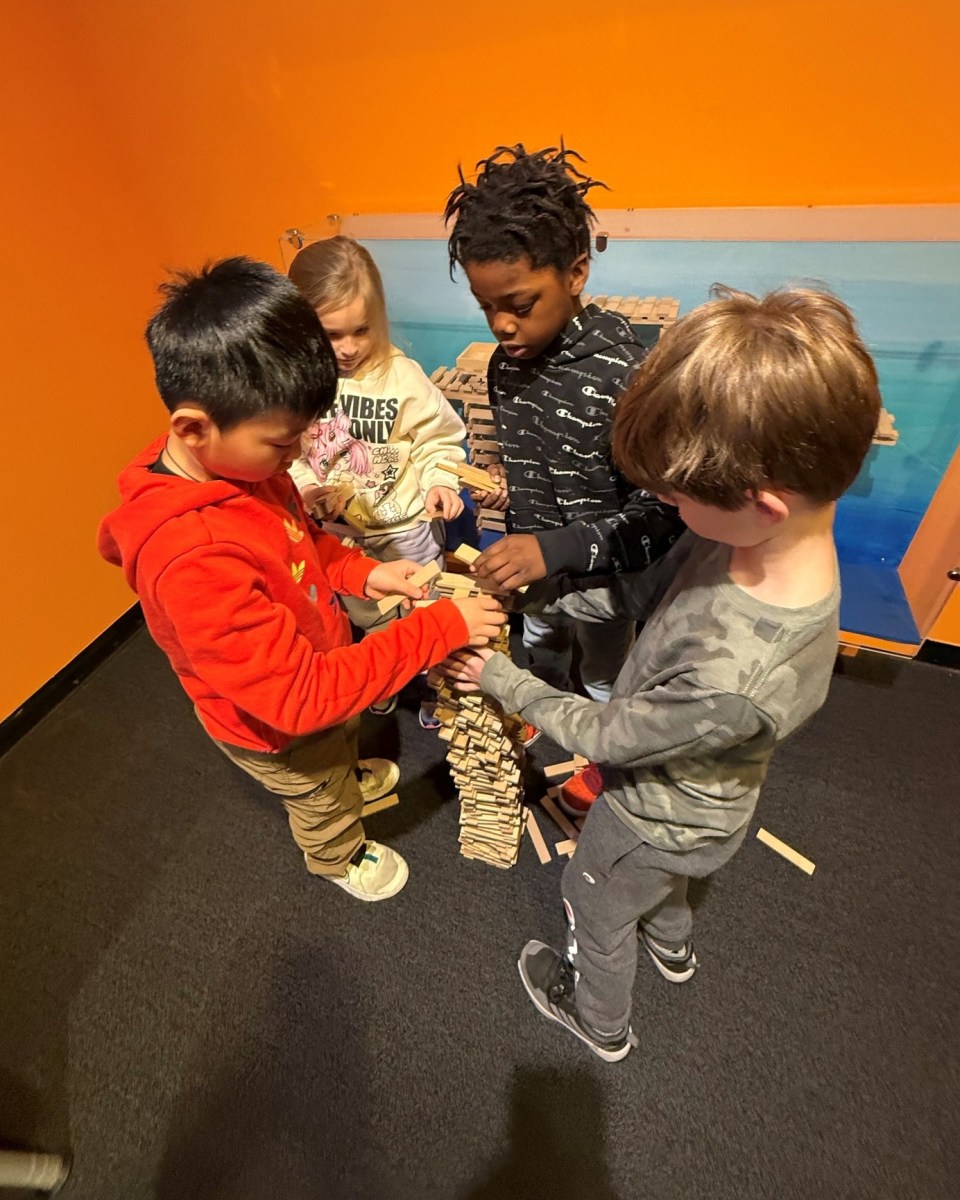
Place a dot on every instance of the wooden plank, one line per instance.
(539, 844)
(559, 818)
(788, 852)
(476, 478)
(467, 554)
(376, 806)
(566, 847)
(566, 768)
(418, 579)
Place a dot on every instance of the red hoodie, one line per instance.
(239, 588)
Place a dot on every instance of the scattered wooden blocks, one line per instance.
(786, 851)
(533, 829)
(560, 819)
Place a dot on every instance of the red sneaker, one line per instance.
(530, 735)
(579, 792)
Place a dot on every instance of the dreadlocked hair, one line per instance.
(522, 206)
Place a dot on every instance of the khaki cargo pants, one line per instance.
(316, 779)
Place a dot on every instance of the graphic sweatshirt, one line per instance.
(554, 415)
(384, 438)
(238, 588)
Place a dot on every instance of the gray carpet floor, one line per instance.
(193, 1016)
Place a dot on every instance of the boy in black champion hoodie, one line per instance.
(522, 237)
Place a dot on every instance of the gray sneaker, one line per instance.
(675, 965)
(549, 980)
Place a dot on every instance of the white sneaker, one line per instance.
(378, 777)
(380, 874)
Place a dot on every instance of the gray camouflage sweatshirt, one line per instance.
(716, 679)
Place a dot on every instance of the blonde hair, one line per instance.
(746, 393)
(332, 273)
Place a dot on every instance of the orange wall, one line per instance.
(77, 281)
(253, 117)
(162, 134)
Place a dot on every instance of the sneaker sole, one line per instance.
(383, 712)
(386, 788)
(669, 976)
(578, 814)
(403, 875)
(529, 742)
(606, 1055)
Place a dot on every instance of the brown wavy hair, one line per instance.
(746, 393)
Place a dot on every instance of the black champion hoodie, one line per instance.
(554, 415)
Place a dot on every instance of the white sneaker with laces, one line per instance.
(379, 874)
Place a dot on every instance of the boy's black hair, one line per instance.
(531, 205)
(238, 339)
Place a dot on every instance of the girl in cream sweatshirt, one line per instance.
(378, 455)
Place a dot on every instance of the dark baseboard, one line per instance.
(940, 654)
(35, 708)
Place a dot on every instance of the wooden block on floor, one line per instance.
(560, 819)
(376, 806)
(566, 847)
(786, 851)
(533, 830)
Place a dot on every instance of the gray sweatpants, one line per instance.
(613, 882)
(604, 646)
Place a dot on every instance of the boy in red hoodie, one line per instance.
(239, 587)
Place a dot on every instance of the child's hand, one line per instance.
(327, 503)
(511, 562)
(464, 668)
(499, 499)
(392, 579)
(483, 617)
(443, 502)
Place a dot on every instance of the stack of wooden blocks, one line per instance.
(485, 753)
(465, 386)
(642, 311)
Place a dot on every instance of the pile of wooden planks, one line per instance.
(485, 754)
(467, 390)
(642, 311)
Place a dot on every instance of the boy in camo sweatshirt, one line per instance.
(752, 417)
